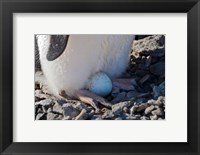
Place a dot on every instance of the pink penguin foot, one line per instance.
(91, 98)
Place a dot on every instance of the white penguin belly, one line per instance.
(84, 56)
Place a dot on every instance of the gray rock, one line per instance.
(41, 95)
(108, 114)
(120, 97)
(140, 101)
(157, 112)
(149, 109)
(50, 109)
(61, 102)
(141, 73)
(117, 108)
(144, 118)
(158, 103)
(158, 52)
(126, 110)
(131, 94)
(154, 117)
(45, 102)
(45, 108)
(161, 99)
(79, 106)
(115, 91)
(53, 116)
(133, 109)
(151, 101)
(82, 115)
(158, 68)
(162, 88)
(91, 113)
(161, 41)
(38, 109)
(156, 106)
(118, 118)
(37, 99)
(156, 92)
(124, 116)
(96, 117)
(142, 107)
(41, 116)
(137, 116)
(132, 118)
(67, 118)
(144, 78)
(58, 108)
(70, 112)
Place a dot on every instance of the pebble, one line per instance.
(46, 102)
(142, 107)
(158, 103)
(144, 118)
(132, 118)
(131, 94)
(156, 92)
(118, 118)
(161, 99)
(144, 79)
(157, 112)
(58, 108)
(70, 111)
(82, 115)
(41, 116)
(151, 101)
(108, 114)
(133, 109)
(158, 68)
(158, 52)
(98, 118)
(120, 97)
(154, 117)
(162, 88)
(117, 108)
(115, 91)
(149, 109)
(126, 110)
(140, 101)
(53, 116)
(61, 102)
(79, 106)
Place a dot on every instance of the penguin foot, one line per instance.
(124, 84)
(63, 95)
(92, 99)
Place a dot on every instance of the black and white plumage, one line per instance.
(68, 61)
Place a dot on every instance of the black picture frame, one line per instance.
(8, 7)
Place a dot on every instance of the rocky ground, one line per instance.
(145, 102)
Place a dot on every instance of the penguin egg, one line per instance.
(100, 84)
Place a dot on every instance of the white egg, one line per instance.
(100, 84)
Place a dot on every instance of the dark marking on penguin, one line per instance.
(58, 44)
(37, 57)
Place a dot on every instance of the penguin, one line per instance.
(68, 62)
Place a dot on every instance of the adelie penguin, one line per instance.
(69, 61)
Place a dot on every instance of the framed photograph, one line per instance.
(100, 77)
